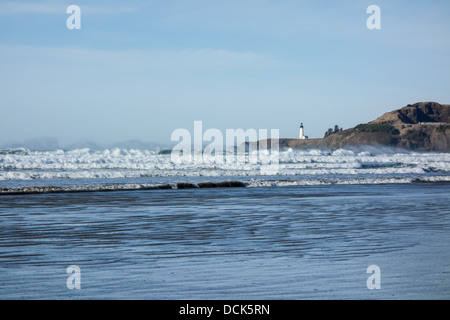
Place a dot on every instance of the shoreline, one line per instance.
(253, 183)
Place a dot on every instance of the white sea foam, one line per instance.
(23, 164)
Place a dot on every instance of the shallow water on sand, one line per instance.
(293, 242)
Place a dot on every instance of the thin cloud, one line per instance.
(169, 60)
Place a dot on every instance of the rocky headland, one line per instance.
(423, 126)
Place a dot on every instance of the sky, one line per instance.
(142, 69)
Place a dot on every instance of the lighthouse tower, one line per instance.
(301, 135)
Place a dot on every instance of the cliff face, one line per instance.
(426, 112)
(423, 126)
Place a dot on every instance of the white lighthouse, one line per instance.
(301, 134)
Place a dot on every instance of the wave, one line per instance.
(254, 183)
(119, 187)
(23, 164)
(350, 181)
(13, 151)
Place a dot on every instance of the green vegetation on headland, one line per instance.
(377, 127)
(331, 131)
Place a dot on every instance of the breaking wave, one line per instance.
(294, 167)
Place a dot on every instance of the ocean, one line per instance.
(136, 225)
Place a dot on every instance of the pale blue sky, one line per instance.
(141, 69)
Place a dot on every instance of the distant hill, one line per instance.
(423, 126)
(38, 144)
(51, 143)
